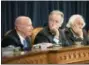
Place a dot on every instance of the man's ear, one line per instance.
(18, 28)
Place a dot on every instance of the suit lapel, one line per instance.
(49, 34)
(17, 39)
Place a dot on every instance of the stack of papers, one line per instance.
(43, 46)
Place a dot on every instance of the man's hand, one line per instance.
(56, 31)
(78, 31)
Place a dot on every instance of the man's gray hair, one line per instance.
(58, 12)
(72, 19)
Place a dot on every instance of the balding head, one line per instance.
(22, 20)
(23, 25)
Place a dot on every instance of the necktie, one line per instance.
(25, 44)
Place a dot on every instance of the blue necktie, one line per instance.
(25, 44)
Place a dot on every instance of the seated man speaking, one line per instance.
(52, 33)
(18, 37)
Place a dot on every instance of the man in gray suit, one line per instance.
(52, 33)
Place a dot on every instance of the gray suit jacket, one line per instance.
(46, 36)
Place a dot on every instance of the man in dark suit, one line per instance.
(52, 33)
(75, 32)
(18, 37)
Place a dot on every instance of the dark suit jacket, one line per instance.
(71, 39)
(12, 38)
(46, 36)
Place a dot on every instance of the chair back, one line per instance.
(35, 32)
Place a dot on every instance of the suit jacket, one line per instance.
(46, 36)
(71, 39)
(12, 38)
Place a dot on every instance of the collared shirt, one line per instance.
(21, 38)
(56, 40)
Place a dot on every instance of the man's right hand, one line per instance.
(56, 31)
(78, 31)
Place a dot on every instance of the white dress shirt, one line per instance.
(21, 38)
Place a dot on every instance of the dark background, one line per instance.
(38, 11)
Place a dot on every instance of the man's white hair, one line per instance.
(72, 20)
(58, 13)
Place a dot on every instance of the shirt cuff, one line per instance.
(56, 40)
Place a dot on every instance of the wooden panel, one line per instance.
(77, 55)
(38, 59)
(73, 56)
(67, 55)
(30, 58)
